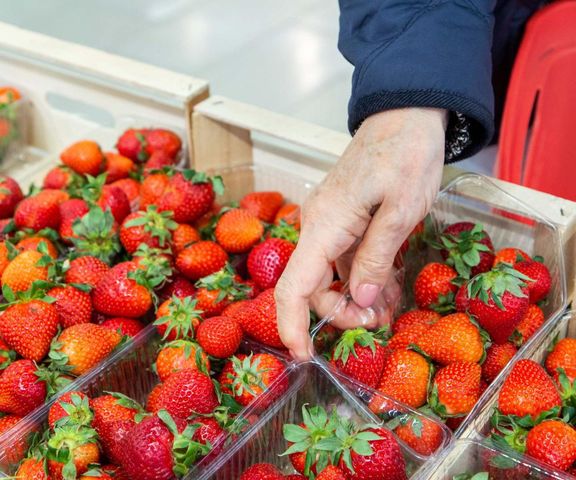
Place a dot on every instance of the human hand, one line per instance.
(359, 216)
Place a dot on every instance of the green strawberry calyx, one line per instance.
(494, 284)
(474, 476)
(225, 281)
(346, 345)
(63, 442)
(317, 426)
(247, 374)
(189, 347)
(157, 224)
(78, 411)
(182, 318)
(284, 231)
(155, 267)
(95, 235)
(126, 402)
(201, 177)
(7, 356)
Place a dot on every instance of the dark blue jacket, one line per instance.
(433, 53)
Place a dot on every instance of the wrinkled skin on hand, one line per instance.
(382, 186)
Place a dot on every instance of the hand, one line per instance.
(382, 186)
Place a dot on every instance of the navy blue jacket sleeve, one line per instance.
(426, 53)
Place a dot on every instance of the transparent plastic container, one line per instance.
(471, 457)
(15, 123)
(264, 441)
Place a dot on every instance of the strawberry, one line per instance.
(456, 389)
(201, 259)
(179, 286)
(247, 377)
(497, 357)
(132, 144)
(84, 157)
(238, 230)
(295, 476)
(180, 355)
(178, 318)
(264, 205)
(552, 442)
(498, 300)
(38, 212)
(413, 335)
(187, 392)
(154, 449)
(152, 189)
(113, 407)
(417, 316)
(215, 292)
(70, 451)
(262, 471)
(453, 338)
(268, 260)
(220, 337)
(331, 473)
(433, 287)
(150, 227)
(419, 433)
(21, 389)
(131, 188)
(34, 243)
(371, 454)
(60, 178)
(530, 323)
(18, 448)
(511, 256)
(562, 356)
(117, 166)
(189, 195)
(528, 390)
(113, 435)
(157, 161)
(209, 433)
(72, 408)
(258, 320)
(359, 355)
(96, 234)
(81, 347)
(29, 326)
(468, 248)
(152, 404)
(114, 199)
(86, 270)
(405, 378)
(127, 327)
(541, 281)
(161, 140)
(118, 294)
(74, 306)
(10, 196)
(183, 236)
(289, 213)
(9, 95)
(31, 469)
(5, 255)
(70, 211)
(25, 269)
(7, 355)
(325, 338)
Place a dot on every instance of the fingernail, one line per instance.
(366, 294)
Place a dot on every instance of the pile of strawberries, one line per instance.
(474, 309)
(114, 240)
(536, 412)
(329, 446)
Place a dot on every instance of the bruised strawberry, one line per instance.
(267, 261)
(84, 157)
(264, 205)
(10, 196)
(433, 288)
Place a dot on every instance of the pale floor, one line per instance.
(281, 55)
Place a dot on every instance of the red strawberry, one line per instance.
(289, 213)
(258, 320)
(541, 281)
(131, 188)
(456, 388)
(7, 355)
(21, 390)
(113, 436)
(181, 355)
(10, 196)
(150, 227)
(38, 212)
(268, 260)
(201, 259)
(152, 404)
(87, 270)
(157, 161)
(187, 392)
(246, 378)
(461, 300)
(562, 356)
(453, 338)
(73, 305)
(528, 390)
(177, 318)
(152, 189)
(331, 473)
(358, 354)
(84, 157)
(31, 469)
(114, 199)
(70, 211)
(24, 269)
(423, 317)
(219, 336)
(129, 327)
(161, 140)
(530, 323)
(29, 327)
(413, 335)
(468, 248)
(114, 407)
(132, 144)
(117, 166)
(552, 442)
(72, 408)
(183, 236)
(511, 256)
(179, 287)
(262, 471)
(215, 292)
(497, 357)
(264, 205)
(433, 287)
(238, 230)
(209, 433)
(17, 450)
(60, 177)
(420, 433)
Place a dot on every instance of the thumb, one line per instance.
(373, 263)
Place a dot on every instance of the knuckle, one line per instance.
(374, 264)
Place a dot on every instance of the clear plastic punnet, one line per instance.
(466, 458)
(316, 386)
(15, 126)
